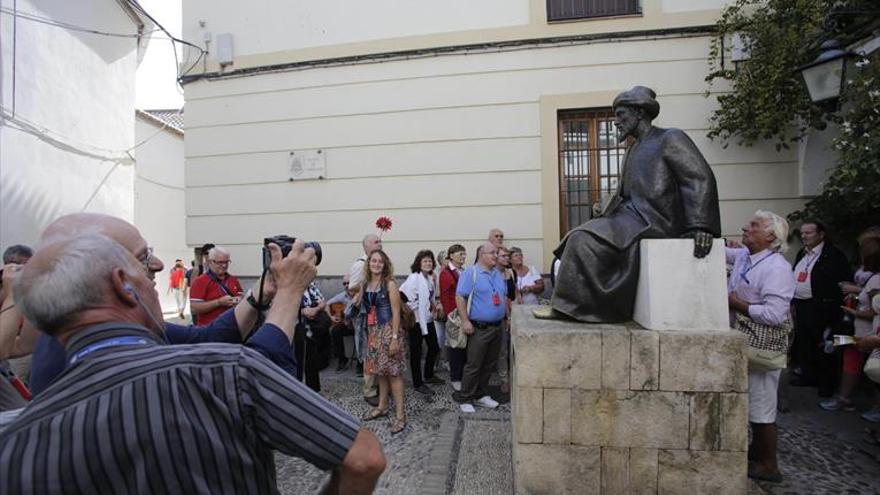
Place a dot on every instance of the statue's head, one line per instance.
(633, 107)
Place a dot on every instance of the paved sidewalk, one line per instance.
(821, 451)
(441, 450)
(444, 451)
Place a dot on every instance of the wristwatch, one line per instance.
(253, 301)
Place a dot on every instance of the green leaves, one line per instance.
(769, 100)
(768, 96)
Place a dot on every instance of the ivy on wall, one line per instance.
(768, 100)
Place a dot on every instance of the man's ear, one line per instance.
(122, 287)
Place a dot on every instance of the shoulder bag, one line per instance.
(872, 366)
(455, 338)
(767, 345)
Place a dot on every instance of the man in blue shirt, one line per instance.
(486, 288)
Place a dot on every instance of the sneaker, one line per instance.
(460, 398)
(424, 389)
(456, 386)
(872, 415)
(487, 402)
(467, 408)
(836, 403)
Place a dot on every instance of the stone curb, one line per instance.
(439, 471)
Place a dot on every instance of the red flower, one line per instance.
(383, 224)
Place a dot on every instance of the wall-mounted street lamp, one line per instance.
(826, 75)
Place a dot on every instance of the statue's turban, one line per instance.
(640, 97)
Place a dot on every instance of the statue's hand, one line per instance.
(702, 242)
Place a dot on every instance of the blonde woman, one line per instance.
(386, 354)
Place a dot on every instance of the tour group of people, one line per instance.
(104, 357)
(818, 301)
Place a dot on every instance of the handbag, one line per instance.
(455, 338)
(872, 366)
(767, 345)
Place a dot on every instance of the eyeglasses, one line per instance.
(147, 259)
(345, 284)
(221, 263)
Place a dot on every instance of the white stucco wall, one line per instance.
(159, 211)
(448, 146)
(63, 150)
(266, 26)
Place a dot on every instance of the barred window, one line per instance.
(564, 10)
(590, 163)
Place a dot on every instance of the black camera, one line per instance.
(285, 242)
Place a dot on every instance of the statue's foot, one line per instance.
(547, 313)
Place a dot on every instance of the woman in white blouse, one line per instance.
(529, 283)
(420, 294)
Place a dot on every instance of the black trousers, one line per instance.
(811, 319)
(415, 353)
(336, 336)
(457, 359)
(310, 353)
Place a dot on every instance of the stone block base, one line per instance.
(679, 292)
(603, 408)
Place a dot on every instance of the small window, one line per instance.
(590, 162)
(565, 10)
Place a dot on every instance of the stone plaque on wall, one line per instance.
(307, 164)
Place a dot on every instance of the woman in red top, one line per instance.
(448, 282)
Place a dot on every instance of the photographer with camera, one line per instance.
(235, 326)
(228, 405)
(216, 290)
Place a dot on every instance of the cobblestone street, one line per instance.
(821, 451)
(443, 451)
(423, 458)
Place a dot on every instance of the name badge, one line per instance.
(496, 300)
(802, 277)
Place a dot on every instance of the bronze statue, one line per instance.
(666, 190)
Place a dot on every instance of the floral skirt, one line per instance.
(379, 361)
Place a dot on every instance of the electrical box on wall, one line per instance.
(224, 49)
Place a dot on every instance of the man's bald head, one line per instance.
(117, 229)
(51, 290)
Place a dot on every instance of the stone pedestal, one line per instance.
(679, 292)
(604, 408)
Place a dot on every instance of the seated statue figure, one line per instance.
(666, 190)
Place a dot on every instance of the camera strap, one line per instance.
(220, 283)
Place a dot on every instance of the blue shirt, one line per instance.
(491, 287)
(50, 357)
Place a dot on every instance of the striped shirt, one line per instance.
(131, 415)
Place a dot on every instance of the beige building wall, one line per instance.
(448, 146)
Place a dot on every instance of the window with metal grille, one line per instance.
(564, 10)
(590, 162)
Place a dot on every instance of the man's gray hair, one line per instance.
(16, 253)
(52, 293)
(777, 226)
(215, 251)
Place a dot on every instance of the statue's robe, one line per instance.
(667, 189)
